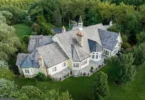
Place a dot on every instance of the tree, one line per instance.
(2, 18)
(9, 42)
(139, 54)
(32, 92)
(6, 87)
(56, 95)
(8, 15)
(65, 96)
(92, 16)
(100, 86)
(6, 73)
(127, 17)
(36, 28)
(127, 70)
(19, 15)
(50, 9)
(106, 10)
(41, 76)
(141, 37)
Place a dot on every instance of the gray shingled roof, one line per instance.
(37, 41)
(57, 30)
(20, 58)
(52, 55)
(78, 54)
(108, 39)
(66, 40)
(31, 61)
(95, 37)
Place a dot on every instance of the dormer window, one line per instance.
(26, 71)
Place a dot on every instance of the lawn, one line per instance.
(22, 29)
(79, 88)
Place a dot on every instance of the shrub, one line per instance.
(26, 39)
(91, 70)
(41, 76)
(126, 45)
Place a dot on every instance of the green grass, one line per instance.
(22, 29)
(79, 88)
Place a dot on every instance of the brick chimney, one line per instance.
(80, 37)
(63, 29)
(41, 62)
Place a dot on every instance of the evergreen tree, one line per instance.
(100, 86)
(127, 70)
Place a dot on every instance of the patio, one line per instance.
(96, 65)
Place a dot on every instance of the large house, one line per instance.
(68, 51)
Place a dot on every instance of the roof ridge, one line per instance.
(73, 48)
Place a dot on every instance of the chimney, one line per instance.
(41, 62)
(63, 29)
(80, 37)
(111, 23)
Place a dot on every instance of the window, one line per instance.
(26, 71)
(93, 56)
(76, 65)
(106, 52)
(64, 64)
(54, 69)
(97, 56)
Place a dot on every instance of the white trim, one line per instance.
(105, 52)
(96, 56)
(59, 67)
